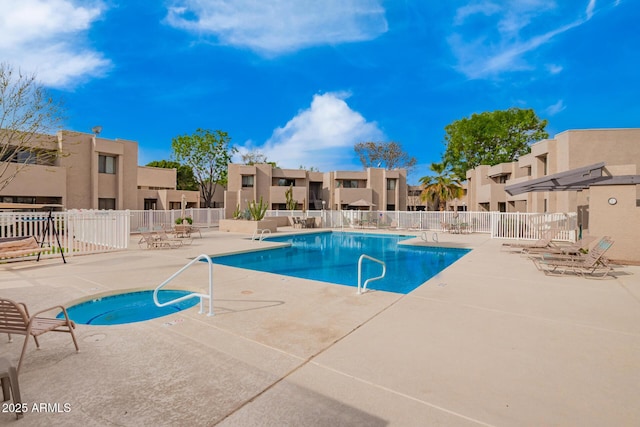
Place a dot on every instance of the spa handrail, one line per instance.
(191, 295)
(363, 288)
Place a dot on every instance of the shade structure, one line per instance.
(574, 179)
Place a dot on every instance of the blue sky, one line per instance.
(303, 81)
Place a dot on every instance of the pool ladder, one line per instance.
(191, 295)
(363, 288)
(261, 236)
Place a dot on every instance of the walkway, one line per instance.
(488, 342)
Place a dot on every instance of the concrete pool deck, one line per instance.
(489, 341)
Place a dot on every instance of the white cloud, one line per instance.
(554, 109)
(511, 30)
(42, 36)
(279, 26)
(321, 136)
(554, 68)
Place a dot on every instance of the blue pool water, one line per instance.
(333, 257)
(127, 308)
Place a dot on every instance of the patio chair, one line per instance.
(162, 237)
(581, 246)
(546, 241)
(151, 240)
(15, 319)
(591, 265)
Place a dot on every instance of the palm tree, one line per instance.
(442, 187)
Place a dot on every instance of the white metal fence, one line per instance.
(499, 224)
(201, 217)
(79, 231)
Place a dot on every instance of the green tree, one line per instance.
(490, 138)
(388, 155)
(253, 157)
(441, 187)
(185, 179)
(27, 115)
(208, 153)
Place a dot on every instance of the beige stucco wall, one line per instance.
(157, 177)
(620, 221)
(37, 181)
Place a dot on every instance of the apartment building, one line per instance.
(93, 173)
(595, 173)
(618, 149)
(373, 188)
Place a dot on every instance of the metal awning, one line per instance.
(572, 180)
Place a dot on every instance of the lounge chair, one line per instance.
(581, 246)
(546, 241)
(153, 241)
(15, 319)
(591, 265)
(161, 236)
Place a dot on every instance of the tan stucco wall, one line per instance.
(620, 221)
(157, 177)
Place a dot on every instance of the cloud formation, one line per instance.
(42, 37)
(280, 26)
(321, 136)
(554, 109)
(508, 31)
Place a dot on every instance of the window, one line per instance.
(347, 183)
(391, 185)
(502, 207)
(106, 164)
(150, 204)
(286, 182)
(391, 207)
(107, 204)
(247, 181)
(501, 179)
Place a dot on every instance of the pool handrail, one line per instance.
(191, 295)
(363, 288)
(261, 231)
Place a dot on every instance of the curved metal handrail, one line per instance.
(191, 295)
(262, 231)
(363, 288)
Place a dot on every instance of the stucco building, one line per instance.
(93, 173)
(373, 188)
(594, 172)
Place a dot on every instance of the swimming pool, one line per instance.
(333, 257)
(127, 307)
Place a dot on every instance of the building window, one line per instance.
(106, 204)
(391, 185)
(286, 182)
(543, 164)
(501, 179)
(150, 204)
(391, 207)
(106, 164)
(347, 183)
(247, 181)
(502, 207)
